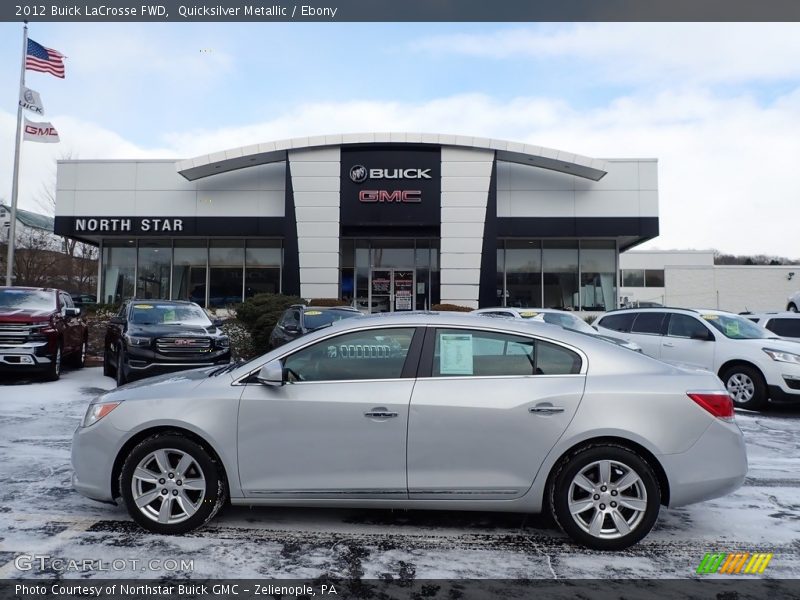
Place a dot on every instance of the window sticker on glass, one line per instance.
(313, 313)
(143, 306)
(455, 354)
(527, 314)
(732, 328)
(710, 317)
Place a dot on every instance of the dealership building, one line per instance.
(386, 222)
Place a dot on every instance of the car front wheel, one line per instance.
(746, 387)
(54, 368)
(171, 485)
(122, 378)
(605, 497)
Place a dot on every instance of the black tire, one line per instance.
(645, 492)
(738, 379)
(77, 360)
(122, 378)
(108, 370)
(792, 307)
(213, 496)
(53, 372)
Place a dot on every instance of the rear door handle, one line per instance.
(380, 413)
(669, 345)
(546, 410)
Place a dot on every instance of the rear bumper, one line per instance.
(714, 466)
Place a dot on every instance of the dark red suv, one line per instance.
(40, 328)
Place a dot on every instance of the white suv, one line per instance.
(752, 362)
(784, 324)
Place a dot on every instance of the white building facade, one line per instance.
(385, 222)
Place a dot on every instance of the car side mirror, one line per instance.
(271, 373)
(217, 322)
(292, 328)
(72, 312)
(117, 320)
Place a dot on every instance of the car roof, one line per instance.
(161, 301)
(30, 289)
(784, 314)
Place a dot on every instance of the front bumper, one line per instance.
(93, 452)
(144, 362)
(714, 466)
(31, 356)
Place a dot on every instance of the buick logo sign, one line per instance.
(358, 174)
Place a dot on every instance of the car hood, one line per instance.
(25, 316)
(180, 331)
(170, 385)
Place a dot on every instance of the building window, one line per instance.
(523, 273)
(633, 277)
(226, 272)
(263, 260)
(560, 267)
(119, 270)
(152, 275)
(654, 278)
(189, 265)
(598, 274)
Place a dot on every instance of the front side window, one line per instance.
(371, 354)
(462, 352)
(686, 327)
(315, 319)
(737, 328)
(648, 322)
(620, 322)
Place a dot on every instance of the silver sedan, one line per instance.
(420, 411)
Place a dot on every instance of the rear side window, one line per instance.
(648, 322)
(784, 327)
(621, 323)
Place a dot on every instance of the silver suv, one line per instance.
(753, 363)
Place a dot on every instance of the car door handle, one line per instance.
(546, 410)
(380, 413)
(669, 345)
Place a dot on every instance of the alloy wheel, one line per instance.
(607, 499)
(168, 486)
(741, 388)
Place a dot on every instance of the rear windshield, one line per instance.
(568, 321)
(784, 327)
(145, 313)
(27, 300)
(737, 328)
(314, 319)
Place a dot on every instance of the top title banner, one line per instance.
(403, 10)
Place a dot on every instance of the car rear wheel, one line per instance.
(171, 485)
(108, 371)
(746, 387)
(792, 307)
(605, 497)
(54, 368)
(122, 378)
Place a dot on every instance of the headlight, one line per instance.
(224, 342)
(781, 356)
(134, 340)
(97, 411)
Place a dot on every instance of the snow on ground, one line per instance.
(39, 513)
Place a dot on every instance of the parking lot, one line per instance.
(41, 515)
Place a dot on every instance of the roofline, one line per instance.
(242, 157)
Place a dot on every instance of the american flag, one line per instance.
(44, 59)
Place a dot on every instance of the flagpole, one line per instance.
(12, 227)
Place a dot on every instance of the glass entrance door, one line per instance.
(391, 290)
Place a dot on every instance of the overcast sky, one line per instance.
(717, 104)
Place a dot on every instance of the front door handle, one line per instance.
(546, 410)
(669, 345)
(380, 413)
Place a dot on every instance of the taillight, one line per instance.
(718, 403)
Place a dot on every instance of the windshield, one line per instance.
(27, 300)
(169, 314)
(737, 328)
(568, 321)
(314, 319)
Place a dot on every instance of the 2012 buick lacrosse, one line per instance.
(428, 411)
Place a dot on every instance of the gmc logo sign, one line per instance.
(405, 196)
